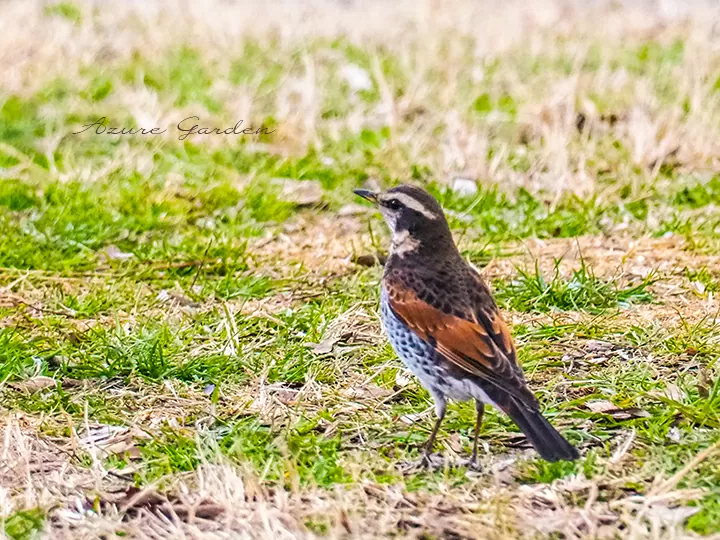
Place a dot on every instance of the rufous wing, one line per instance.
(482, 348)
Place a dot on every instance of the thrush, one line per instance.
(444, 324)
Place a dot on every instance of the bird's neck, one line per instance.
(411, 248)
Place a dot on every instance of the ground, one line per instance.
(190, 341)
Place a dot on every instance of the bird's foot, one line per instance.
(471, 463)
(431, 462)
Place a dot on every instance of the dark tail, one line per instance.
(545, 439)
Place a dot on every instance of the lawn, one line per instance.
(190, 343)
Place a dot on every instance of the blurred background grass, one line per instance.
(538, 98)
(581, 126)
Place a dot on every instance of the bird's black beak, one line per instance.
(367, 195)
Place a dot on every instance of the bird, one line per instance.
(443, 322)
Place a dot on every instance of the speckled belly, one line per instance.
(419, 357)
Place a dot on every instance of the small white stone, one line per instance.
(464, 186)
(356, 77)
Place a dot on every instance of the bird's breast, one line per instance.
(416, 354)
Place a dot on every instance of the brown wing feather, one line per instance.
(484, 350)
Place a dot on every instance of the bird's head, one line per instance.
(415, 218)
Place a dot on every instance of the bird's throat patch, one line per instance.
(403, 243)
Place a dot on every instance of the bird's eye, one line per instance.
(393, 204)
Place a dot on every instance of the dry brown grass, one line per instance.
(220, 500)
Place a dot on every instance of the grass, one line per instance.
(24, 524)
(583, 291)
(183, 316)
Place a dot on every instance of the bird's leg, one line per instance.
(431, 441)
(440, 409)
(480, 408)
(426, 461)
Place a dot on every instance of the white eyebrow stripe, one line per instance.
(411, 202)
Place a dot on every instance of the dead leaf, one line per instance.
(133, 500)
(300, 192)
(109, 440)
(603, 406)
(371, 391)
(286, 396)
(325, 346)
(132, 453)
(514, 440)
(113, 253)
(704, 383)
(455, 443)
(69, 382)
(600, 406)
(35, 384)
(671, 391)
(596, 345)
(630, 412)
(175, 297)
(410, 419)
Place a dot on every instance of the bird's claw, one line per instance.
(471, 463)
(435, 462)
(432, 462)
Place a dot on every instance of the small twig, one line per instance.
(125, 477)
(200, 266)
(68, 313)
(161, 265)
(619, 454)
